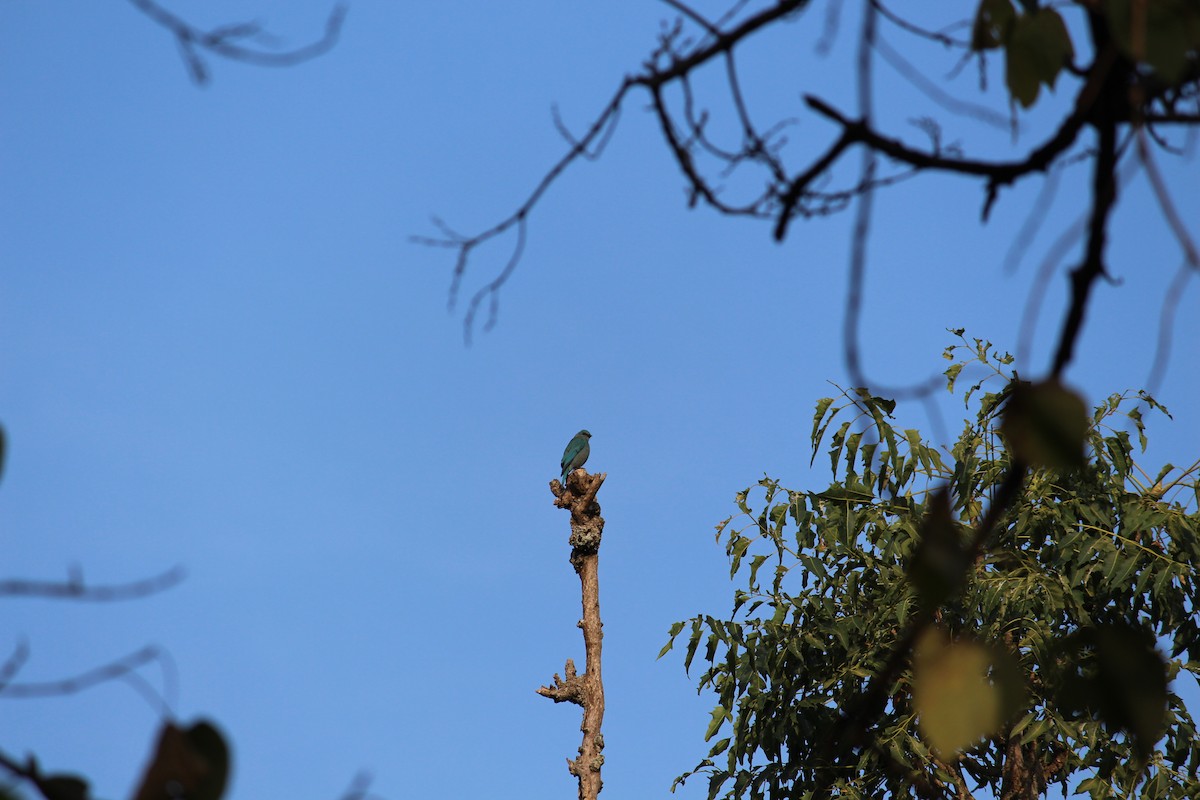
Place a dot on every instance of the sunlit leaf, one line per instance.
(719, 715)
(955, 696)
(676, 627)
(818, 430)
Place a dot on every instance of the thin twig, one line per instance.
(936, 36)
(226, 41)
(13, 664)
(75, 588)
(933, 92)
(124, 668)
(465, 244)
(652, 78)
(1033, 222)
(1190, 253)
(1166, 326)
(359, 788)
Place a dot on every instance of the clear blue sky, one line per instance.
(221, 350)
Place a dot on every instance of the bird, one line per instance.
(576, 454)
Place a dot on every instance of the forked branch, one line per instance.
(235, 42)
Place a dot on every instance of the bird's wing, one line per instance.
(572, 450)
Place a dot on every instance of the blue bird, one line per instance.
(576, 454)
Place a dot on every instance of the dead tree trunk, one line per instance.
(586, 690)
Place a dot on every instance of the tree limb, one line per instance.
(75, 588)
(586, 690)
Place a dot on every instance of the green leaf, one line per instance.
(952, 375)
(1037, 48)
(755, 563)
(693, 643)
(719, 715)
(963, 691)
(836, 445)
(1036, 730)
(676, 627)
(818, 431)
(814, 566)
(852, 442)
(1045, 424)
(938, 565)
(918, 450)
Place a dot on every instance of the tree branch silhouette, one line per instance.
(234, 42)
(124, 668)
(1110, 90)
(74, 588)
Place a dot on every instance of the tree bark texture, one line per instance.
(587, 690)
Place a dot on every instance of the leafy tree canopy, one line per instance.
(1038, 661)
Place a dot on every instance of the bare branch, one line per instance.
(653, 79)
(1033, 222)
(492, 289)
(862, 231)
(124, 668)
(597, 151)
(1166, 326)
(1103, 101)
(75, 588)
(722, 43)
(587, 690)
(700, 188)
(359, 788)
(228, 41)
(13, 664)
(933, 92)
(1190, 253)
(693, 15)
(1083, 277)
(941, 37)
(1033, 303)
(1054, 256)
(465, 244)
(998, 173)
